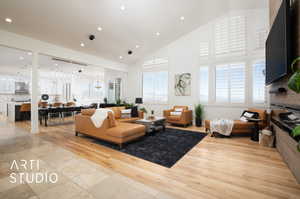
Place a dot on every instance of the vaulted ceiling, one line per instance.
(124, 23)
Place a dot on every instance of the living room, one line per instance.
(196, 101)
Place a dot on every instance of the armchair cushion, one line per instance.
(173, 118)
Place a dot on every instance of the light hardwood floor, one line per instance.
(215, 168)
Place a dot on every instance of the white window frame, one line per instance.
(229, 95)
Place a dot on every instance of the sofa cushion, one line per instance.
(88, 112)
(248, 114)
(126, 113)
(123, 130)
(238, 124)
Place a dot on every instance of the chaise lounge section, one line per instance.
(111, 129)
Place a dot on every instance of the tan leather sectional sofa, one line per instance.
(114, 129)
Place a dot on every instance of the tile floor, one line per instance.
(77, 177)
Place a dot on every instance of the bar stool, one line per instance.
(25, 111)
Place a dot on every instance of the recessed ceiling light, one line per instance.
(8, 20)
(55, 64)
(29, 53)
(82, 44)
(182, 18)
(121, 57)
(137, 46)
(158, 33)
(122, 7)
(99, 28)
(21, 58)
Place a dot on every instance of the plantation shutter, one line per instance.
(237, 34)
(230, 83)
(204, 49)
(221, 37)
(237, 83)
(230, 35)
(222, 83)
(260, 39)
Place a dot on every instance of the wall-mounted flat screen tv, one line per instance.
(278, 45)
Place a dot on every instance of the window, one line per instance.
(237, 83)
(260, 39)
(259, 82)
(230, 35)
(230, 83)
(155, 87)
(204, 49)
(204, 82)
(7, 85)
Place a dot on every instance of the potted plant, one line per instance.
(294, 81)
(144, 111)
(198, 114)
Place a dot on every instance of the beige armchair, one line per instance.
(185, 118)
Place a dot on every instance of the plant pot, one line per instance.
(198, 122)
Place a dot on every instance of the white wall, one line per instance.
(183, 56)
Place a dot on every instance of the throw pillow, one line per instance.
(178, 109)
(134, 111)
(126, 113)
(175, 113)
(112, 120)
(248, 114)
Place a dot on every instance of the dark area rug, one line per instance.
(163, 148)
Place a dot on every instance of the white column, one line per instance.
(34, 94)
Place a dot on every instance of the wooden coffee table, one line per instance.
(153, 125)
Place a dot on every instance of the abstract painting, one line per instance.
(183, 84)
